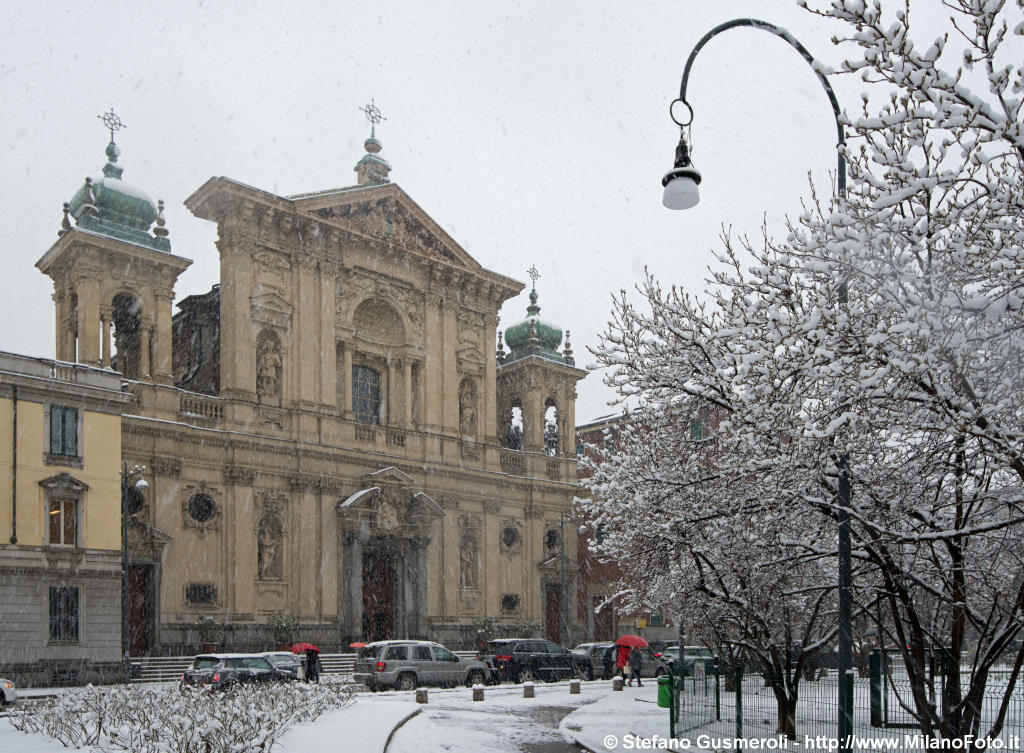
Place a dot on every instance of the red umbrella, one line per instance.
(302, 647)
(633, 641)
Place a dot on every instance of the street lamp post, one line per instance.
(681, 192)
(132, 482)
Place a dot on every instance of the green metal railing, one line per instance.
(734, 703)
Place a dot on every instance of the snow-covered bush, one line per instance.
(186, 719)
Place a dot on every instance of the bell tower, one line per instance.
(537, 386)
(113, 276)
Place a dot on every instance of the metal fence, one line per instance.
(743, 706)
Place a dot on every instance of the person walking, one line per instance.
(622, 667)
(636, 665)
(312, 666)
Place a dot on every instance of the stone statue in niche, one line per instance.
(467, 408)
(468, 558)
(270, 563)
(268, 368)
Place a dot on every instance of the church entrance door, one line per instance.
(378, 596)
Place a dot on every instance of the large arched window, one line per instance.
(366, 394)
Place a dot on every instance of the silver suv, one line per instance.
(404, 665)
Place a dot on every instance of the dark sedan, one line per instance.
(224, 670)
(528, 659)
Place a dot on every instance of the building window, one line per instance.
(63, 614)
(366, 394)
(63, 431)
(510, 603)
(201, 508)
(201, 593)
(657, 620)
(63, 523)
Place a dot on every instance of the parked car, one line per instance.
(694, 655)
(223, 670)
(8, 692)
(290, 666)
(404, 665)
(527, 659)
(591, 655)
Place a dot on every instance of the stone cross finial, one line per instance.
(112, 122)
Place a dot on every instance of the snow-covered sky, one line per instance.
(534, 131)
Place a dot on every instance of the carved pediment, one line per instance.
(387, 475)
(64, 484)
(470, 360)
(271, 308)
(387, 212)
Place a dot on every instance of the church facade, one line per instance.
(330, 436)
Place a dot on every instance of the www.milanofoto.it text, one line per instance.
(912, 742)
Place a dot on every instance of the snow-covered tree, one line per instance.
(886, 327)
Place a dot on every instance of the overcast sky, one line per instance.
(535, 132)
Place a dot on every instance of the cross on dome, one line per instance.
(112, 122)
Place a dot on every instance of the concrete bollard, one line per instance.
(478, 692)
(616, 683)
(574, 687)
(527, 690)
(421, 695)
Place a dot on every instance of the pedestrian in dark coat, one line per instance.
(312, 666)
(636, 665)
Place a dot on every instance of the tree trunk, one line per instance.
(787, 717)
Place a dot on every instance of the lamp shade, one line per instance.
(681, 191)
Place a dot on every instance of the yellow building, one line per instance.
(333, 432)
(60, 555)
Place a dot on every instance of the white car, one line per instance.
(8, 692)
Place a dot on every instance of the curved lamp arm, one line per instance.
(815, 65)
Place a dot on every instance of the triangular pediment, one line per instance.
(388, 212)
(388, 475)
(271, 302)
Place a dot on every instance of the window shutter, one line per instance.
(70, 431)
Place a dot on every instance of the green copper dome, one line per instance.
(533, 336)
(109, 206)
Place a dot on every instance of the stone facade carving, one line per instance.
(269, 365)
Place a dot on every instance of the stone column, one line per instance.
(351, 616)
(346, 375)
(328, 347)
(418, 578)
(105, 338)
(407, 391)
(88, 319)
(393, 392)
(489, 393)
(162, 356)
(403, 605)
(533, 421)
(237, 334)
(450, 383)
(145, 336)
(569, 446)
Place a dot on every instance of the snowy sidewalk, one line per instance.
(602, 725)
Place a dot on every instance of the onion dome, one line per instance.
(533, 336)
(109, 206)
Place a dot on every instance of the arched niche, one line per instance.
(377, 320)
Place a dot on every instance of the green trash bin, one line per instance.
(665, 691)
